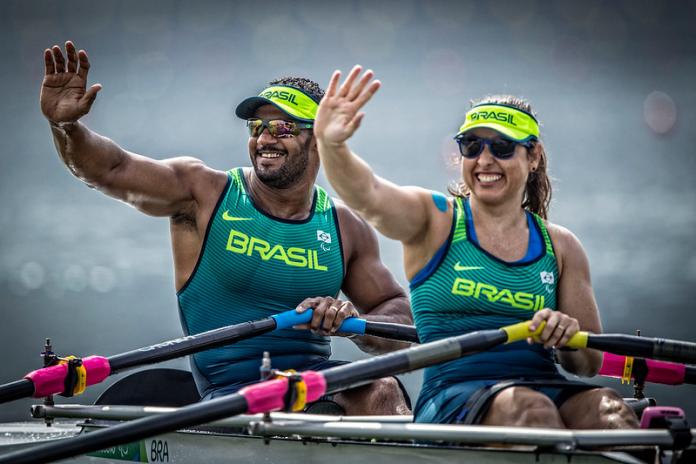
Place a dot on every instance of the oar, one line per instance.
(625, 367)
(51, 380)
(631, 345)
(269, 395)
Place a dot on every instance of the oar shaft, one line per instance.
(690, 375)
(675, 351)
(173, 349)
(406, 333)
(653, 348)
(189, 345)
(49, 380)
(130, 431)
(16, 390)
(364, 371)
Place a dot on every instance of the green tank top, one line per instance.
(470, 290)
(251, 266)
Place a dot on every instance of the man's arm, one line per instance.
(372, 290)
(159, 188)
(369, 285)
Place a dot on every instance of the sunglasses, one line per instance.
(471, 147)
(278, 128)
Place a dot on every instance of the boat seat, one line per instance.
(152, 387)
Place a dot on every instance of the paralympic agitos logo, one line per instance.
(280, 95)
(498, 116)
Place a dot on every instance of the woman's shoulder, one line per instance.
(561, 236)
(566, 244)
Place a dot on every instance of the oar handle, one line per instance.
(289, 319)
(629, 345)
(521, 331)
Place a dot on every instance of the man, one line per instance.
(247, 243)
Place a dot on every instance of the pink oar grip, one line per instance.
(51, 380)
(658, 371)
(268, 396)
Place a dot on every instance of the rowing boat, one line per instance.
(233, 433)
(294, 437)
(306, 438)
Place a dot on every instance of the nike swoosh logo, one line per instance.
(226, 216)
(459, 267)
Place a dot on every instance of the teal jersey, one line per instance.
(252, 266)
(469, 289)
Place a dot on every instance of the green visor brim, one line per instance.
(247, 108)
(290, 100)
(516, 135)
(509, 121)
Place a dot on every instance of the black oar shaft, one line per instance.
(16, 390)
(676, 351)
(643, 347)
(626, 345)
(173, 349)
(406, 333)
(188, 345)
(130, 431)
(160, 352)
(690, 375)
(364, 371)
(183, 346)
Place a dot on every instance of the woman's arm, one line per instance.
(400, 213)
(577, 308)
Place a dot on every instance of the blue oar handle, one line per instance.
(353, 325)
(288, 319)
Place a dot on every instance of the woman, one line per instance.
(483, 259)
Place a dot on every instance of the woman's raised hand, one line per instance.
(339, 115)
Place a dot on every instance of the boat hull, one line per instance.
(223, 445)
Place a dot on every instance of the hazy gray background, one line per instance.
(613, 83)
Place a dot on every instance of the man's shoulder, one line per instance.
(190, 165)
(198, 168)
(347, 215)
(204, 182)
(356, 233)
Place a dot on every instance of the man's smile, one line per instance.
(269, 154)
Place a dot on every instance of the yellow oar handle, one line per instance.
(579, 340)
(520, 331)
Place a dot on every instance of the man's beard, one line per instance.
(289, 173)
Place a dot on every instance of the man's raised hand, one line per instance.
(339, 115)
(64, 93)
